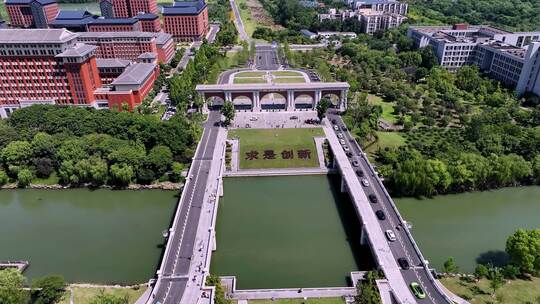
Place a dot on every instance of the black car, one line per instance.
(360, 173)
(403, 263)
(344, 128)
(334, 121)
(372, 198)
(349, 154)
(380, 215)
(355, 163)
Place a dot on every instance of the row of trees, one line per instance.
(80, 146)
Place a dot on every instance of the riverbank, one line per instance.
(84, 293)
(156, 186)
(512, 292)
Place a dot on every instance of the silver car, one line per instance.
(365, 182)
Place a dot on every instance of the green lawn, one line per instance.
(250, 74)
(249, 80)
(289, 80)
(249, 23)
(53, 179)
(300, 301)
(513, 292)
(387, 107)
(286, 73)
(84, 295)
(386, 139)
(277, 140)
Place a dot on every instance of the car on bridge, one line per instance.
(373, 198)
(359, 172)
(355, 163)
(390, 235)
(380, 215)
(418, 291)
(365, 182)
(403, 263)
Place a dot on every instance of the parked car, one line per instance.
(390, 235)
(417, 290)
(403, 263)
(365, 182)
(380, 215)
(359, 172)
(293, 117)
(373, 198)
(355, 163)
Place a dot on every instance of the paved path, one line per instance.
(291, 293)
(319, 141)
(239, 24)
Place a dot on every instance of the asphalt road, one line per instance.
(182, 241)
(266, 57)
(403, 246)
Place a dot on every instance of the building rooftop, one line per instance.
(42, 2)
(112, 63)
(147, 55)
(73, 14)
(135, 74)
(514, 51)
(184, 8)
(78, 50)
(114, 21)
(35, 35)
(146, 16)
(133, 34)
(162, 38)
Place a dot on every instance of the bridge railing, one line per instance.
(407, 231)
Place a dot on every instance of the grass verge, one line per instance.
(249, 80)
(250, 74)
(289, 80)
(83, 295)
(277, 140)
(387, 108)
(385, 140)
(513, 292)
(287, 73)
(300, 301)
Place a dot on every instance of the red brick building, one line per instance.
(130, 45)
(49, 66)
(131, 87)
(115, 25)
(31, 13)
(186, 20)
(127, 8)
(149, 22)
(110, 69)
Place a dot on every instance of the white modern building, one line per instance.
(373, 15)
(510, 57)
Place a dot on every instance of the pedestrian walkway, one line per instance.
(278, 172)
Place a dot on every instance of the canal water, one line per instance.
(471, 227)
(293, 231)
(100, 236)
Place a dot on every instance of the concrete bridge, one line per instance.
(385, 252)
(261, 96)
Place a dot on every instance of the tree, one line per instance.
(48, 290)
(17, 153)
(121, 174)
(3, 177)
(322, 107)
(43, 145)
(176, 172)
(159, 159)
(228, 112)
(368, 293)
(481, 271)
(496, 279)
(24, 177)
(523, 247)
(44, 166)
(450, 266)
(104, 298)
(11, 283)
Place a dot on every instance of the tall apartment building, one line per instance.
(73, 20)
(374, 15)
(114, 25)
(127, 8)
(510, 57)
(31, 13)
(50, 66)
(130, 45)
(149, 22)
(186, 20)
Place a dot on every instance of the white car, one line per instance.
(365, 182)
(346, 148)
(390, 235)
(336, 128)
(340, 135)
(342, 142)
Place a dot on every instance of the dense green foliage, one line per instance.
(228, 112)
(11, 282)
(519, 15)
(88, 146)
(219, 298)
(48, 290)
(104, 298)
(220, 11)
(368, 292)
(463, 131)
(523, 247)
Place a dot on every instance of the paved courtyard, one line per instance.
(271, 120)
